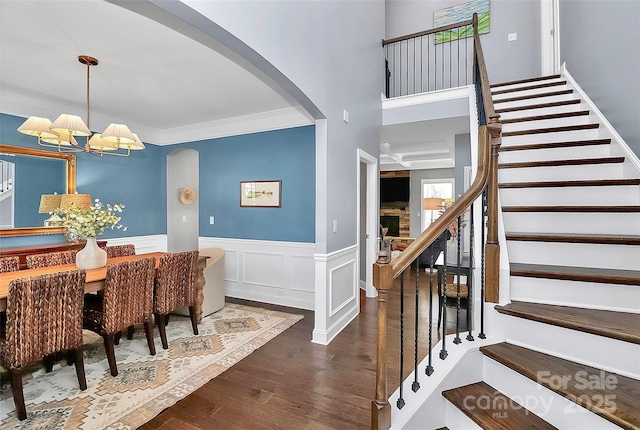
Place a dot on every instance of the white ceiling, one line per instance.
(166, 86)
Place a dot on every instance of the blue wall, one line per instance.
(139, 182)
(287, 155)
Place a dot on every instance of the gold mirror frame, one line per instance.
(71, 186)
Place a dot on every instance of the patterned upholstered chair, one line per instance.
(127, 300)
(175, 287)
(51, 259)
(9, 264)
(44, 316)
(120, 250)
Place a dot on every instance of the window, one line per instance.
(435, 188)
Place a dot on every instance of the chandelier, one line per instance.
(116, 139)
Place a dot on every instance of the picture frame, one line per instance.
(261, 194)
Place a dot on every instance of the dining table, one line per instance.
(95, 277)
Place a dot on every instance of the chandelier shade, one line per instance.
(72, 124)
(60, 134)
(37, 126)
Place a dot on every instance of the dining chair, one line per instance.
(127, 300)
(44, 316)
(49, 259)
(120, 250)
(9, 264)
(175, 287)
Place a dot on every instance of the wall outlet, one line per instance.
(184, 218)
(211, 220)
(345, 116)
(512, 36)
(335, 225)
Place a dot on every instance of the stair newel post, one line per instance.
(380, 407)
(493, 246)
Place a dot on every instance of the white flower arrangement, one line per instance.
(92, 221)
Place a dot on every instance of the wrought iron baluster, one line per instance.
(457, 340)
(481, 335)
(429, 369)
(470, 277)
(415, 386)
(443, 306)
(400, 401)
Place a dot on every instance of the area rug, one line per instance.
(145, 385)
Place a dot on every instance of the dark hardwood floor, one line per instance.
(291, 383)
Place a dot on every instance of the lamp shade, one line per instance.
(37, 126)
(49, 203)
(431, 204)
(71, 124)
(118, 133)
(137, 144)
(97, 142)
(81, 201)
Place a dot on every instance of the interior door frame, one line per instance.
(372, 220)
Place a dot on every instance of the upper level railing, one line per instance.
(430, 60)
(385, 273)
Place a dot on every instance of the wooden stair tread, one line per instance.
(529, 87)
(533, 96)
(551, 129)
(554, 145)
(501, 414)
(583, 183)
(605, 239)
(525, 81)
(545, 117)
(587, 386)
(584, 209)
(571, 273)
(555, 163)
(622, 326)
(539, 106)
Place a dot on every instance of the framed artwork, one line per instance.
(461, 12)
(260, 194)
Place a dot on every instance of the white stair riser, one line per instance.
(572, 223)
(560, 136)
(569, 196)
(576, 152)
(533, 101)
(545, 123)
(622, 298)
(526, 84)
(522, 93)
(624, 257)
(552, 407)
(456, 419)
(560, 173)
(601, 352)
(543, 111)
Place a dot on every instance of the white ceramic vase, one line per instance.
(91, 256)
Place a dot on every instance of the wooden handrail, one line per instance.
(424, 33)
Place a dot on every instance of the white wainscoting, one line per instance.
(337, 293)
(143, 244)
(280, 273)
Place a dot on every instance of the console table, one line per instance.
(23, 251)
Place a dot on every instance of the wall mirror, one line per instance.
(25, 175)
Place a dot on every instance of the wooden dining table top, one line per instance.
(94, 280)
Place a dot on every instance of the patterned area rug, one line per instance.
(145, 385)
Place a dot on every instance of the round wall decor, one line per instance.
(187, 196)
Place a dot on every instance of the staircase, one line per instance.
(570, 202)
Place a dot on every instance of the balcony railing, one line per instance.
(431, 60)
